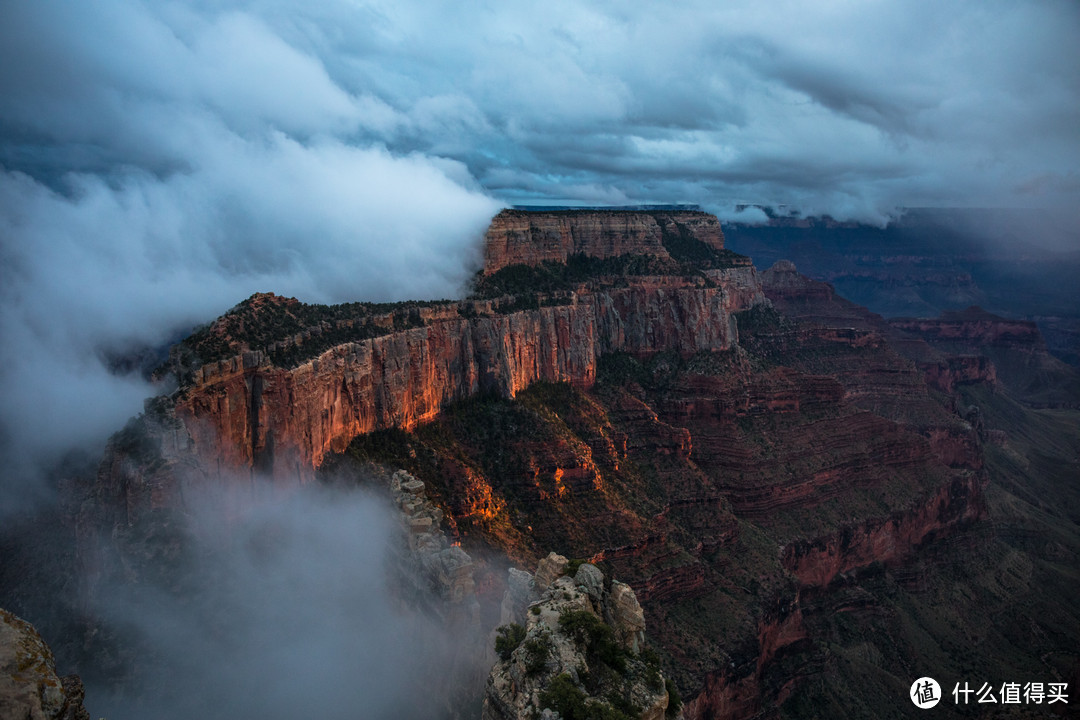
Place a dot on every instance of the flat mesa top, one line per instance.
(581, 209)
(535, 236)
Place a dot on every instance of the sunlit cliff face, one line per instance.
(158, 163)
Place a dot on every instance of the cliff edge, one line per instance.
(29, 685)
(520, 237)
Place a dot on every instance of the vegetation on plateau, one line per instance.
(290, 332)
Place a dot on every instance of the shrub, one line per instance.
(566, 698)
(563, 696)
(573, 565)
(649, 656)
(537, 652)
(674, 699)
(508, 638)
(598, 638)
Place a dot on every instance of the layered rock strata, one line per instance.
(976, 347)
(247, 417)
(974, 326)
(518, 237)
(718, 478)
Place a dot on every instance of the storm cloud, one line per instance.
(161, 161)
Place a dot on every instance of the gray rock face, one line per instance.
(549, 568)
(520, 593)
(564, 620)
(443, 567)
(29, 685)
(438, 576)
(591, 581)
(628, 619)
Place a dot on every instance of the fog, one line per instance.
(286, 608)
(162, 163)
(159, 162)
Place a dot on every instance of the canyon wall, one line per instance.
(974, 326)
(530, 238)
(707, 479)
(245, 413)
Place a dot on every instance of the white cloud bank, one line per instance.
(160, 161)
(287, 608)
(161, 164)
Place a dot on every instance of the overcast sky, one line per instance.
(844, 107)
(160, 161)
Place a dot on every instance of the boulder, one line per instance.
(30, 689)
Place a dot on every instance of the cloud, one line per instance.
(751, 215)
(161, 161)
(160, 166)
(113, 266)
(286, 607)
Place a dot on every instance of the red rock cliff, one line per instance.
(974, 326)
(246, 413)
(530, 238)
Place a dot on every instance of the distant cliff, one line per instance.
(529, 238)
(975, 326)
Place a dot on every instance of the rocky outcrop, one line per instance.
(442, 570)
(29, 685)
(530, 238)
(579, 650)
(955, 370)
(784, 281)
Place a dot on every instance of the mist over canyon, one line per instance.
(745, 451)
(257, 259)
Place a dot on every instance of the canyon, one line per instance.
(749, 453)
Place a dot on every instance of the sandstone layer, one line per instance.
(245, 417)
(530, 238)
